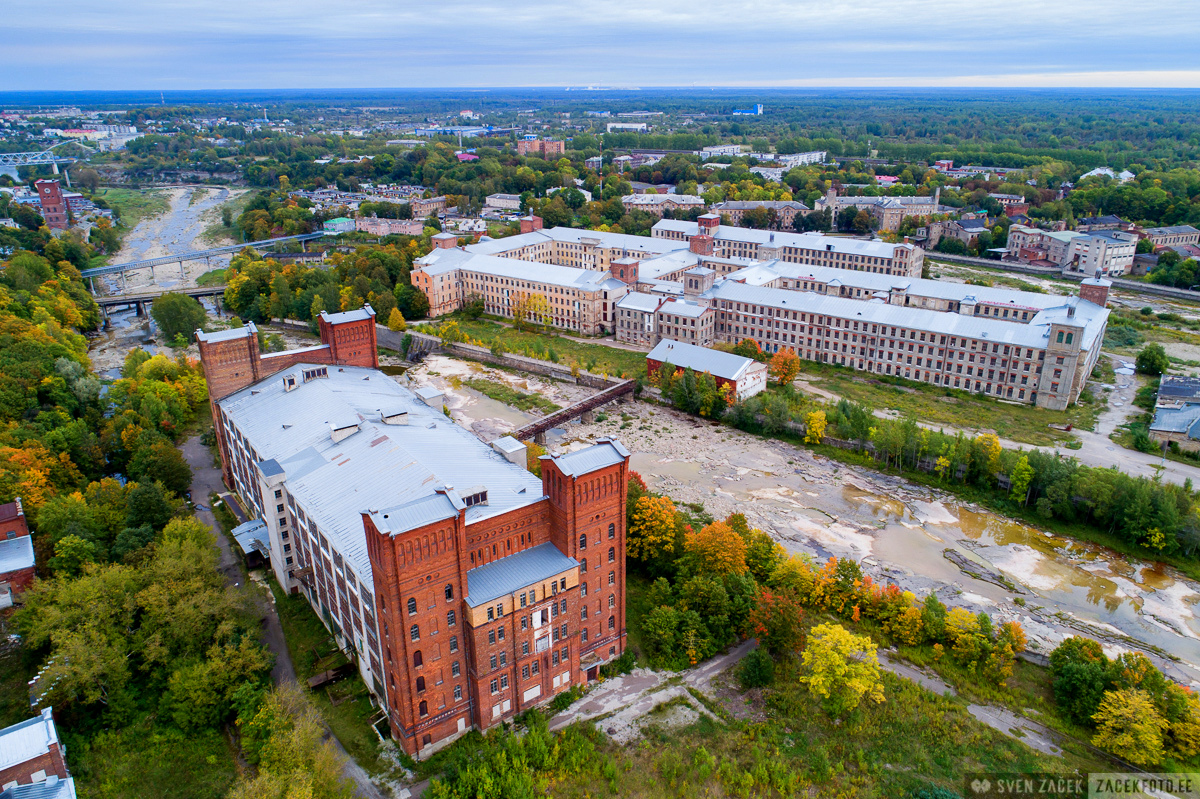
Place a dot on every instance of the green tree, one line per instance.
(163, 462)
(1022, 477)
(177, 314)
(1152, 360)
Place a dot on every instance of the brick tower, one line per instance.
(54, 205)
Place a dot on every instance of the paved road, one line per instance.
(206, 480)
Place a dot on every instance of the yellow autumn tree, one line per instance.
(396, 321)
(1129, 724)
(533, 457)
(718, 549)
(841, 668)
(532, 310)
(989, 445)
(652, 531)
(815, 424)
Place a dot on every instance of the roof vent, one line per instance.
(343, 430)
(314, 374)
(289, 383)
(394, 417)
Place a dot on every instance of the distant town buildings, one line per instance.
(389, 227)
(544, 148)
(1177, 413)
(755, 111)
(503, 202)
(423, 207)
(341, 224)
(1175, 236)
(1107, 250)
(888, 212)
(782, 212)
(658, 204)
(622, 127)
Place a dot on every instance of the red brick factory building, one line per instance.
(465, 589)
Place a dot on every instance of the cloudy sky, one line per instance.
(196, 44)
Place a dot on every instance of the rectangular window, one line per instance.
(493, 661)
(491, 636)
(495, 686)
(454, 669)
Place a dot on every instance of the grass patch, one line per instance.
(213, 277)
(134, 206)
(217, 234)
(146, 760)
(502, 392)
(345, 705)
(932, 405)
(593, 357)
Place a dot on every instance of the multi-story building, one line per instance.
(804, 248)
(658, 204)
(785, 211)
(466, 589)
(389, 227)
(545, 148)
(579, 300)
(889, 212)
(54, 207)
(583, 249)
(340, 224)
(1043, 360)
(1108, 251)
(422, 208)
(503, 202)
(1174, 236)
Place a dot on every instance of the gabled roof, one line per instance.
(604, 453)
(51, 788)
(725, 365)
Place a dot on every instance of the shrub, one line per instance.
(757, 669)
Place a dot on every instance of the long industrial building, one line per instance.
(465, 589)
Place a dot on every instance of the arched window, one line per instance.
(612, 554)
(418, 659)
(612, 622)
(451, 619)
(412, 606)
(583, 541)
(612, 600)
(420, 685)
(414, 633)
(423, 708)
(449, 592)
(612, 531)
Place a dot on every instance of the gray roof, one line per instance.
(249, 532)
(746, 205)
(1034, 333)
(917, 287)
(700, 359)
(270, 467)
(1162, 231)
(227, 335)
(604, 453)
(618, 241)
(688, 308)
(806, 241)
(365, 312)
(639, 301)
(1176, 386)
(446, 261)
(27, 739)
(379, 467)
(504, 576)
(52, 788)
(16, 554)
(1178, 420)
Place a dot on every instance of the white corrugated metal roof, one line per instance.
(637, 301)
(16, 554)
(807, 241)
(365, 312)
(619, 241)
(700, 359)
(604, 453)
(379, 467)
(28, 739)
(227, 335)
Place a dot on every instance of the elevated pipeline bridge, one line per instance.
(192, 255)
(537, 430)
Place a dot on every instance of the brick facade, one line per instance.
(451, 667)
(54, 205)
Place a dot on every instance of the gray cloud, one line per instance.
(376, 43)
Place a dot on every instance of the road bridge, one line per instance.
(537, 430)
(192, 255)
(142, 301)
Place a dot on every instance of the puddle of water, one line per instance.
(394, 371)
